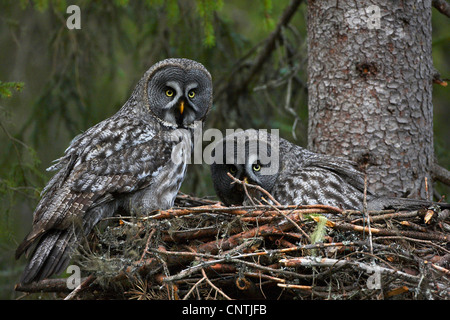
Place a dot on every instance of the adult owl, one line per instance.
(132, 160)
(292, 175)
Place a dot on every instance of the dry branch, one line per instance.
(440, 173)
(46, 285)
(269, 45)
(442, 6)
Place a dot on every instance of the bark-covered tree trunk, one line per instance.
(370, 87)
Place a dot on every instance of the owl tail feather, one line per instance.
(51, 255)
(54, 249)
(382, 203)
(28, 242)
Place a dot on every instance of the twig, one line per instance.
(327, 262)
(197, 233)
(413, 226)
(46, 285)
(191, 270)
(286, 216)
(386, 232)
(366, 214)
(182, 196)
(440, 173)
(397, 291)
(84, 284)
(289, 108)
(214, 287)
(387, 216)
(269, 46)
(294, 286)
(371, 212)
(193, 288)
(244, 185)
(261, 275)
(441, 269)
(147, 245)
(442, 6)
(427, 242)
(235, 180)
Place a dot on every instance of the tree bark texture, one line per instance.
(370, 75)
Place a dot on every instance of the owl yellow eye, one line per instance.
(232, 169)
(191, 94)
(169, 92)
(256, 167)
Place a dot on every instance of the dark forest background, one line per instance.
(56, 82)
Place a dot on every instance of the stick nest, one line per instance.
(202, 250)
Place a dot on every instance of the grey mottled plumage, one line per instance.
(125, 161)
(299, 176)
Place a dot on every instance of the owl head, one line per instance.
(250, 156)
(176, 92)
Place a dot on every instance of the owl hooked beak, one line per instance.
(181, 106)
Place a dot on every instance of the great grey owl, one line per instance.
(292, 175)
(132, 160)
